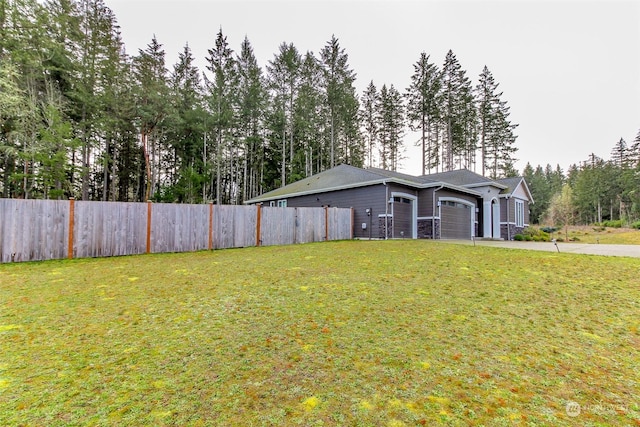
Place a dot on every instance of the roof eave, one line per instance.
(364, 184)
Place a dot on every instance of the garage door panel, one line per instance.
(402, 213)
(455, 221)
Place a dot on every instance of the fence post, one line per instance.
(72, 211)
(148, 226)
(210, 225)
(326, 223)
(258, 223)
(353, 223)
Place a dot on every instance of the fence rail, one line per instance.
(35, 230)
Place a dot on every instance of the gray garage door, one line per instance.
(455, 220)
(402, 218)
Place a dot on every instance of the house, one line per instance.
(456, 204)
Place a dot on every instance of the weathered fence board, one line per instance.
(310, 225)
(33, 230)
(339, 223)
(234, 226)
(109, 229)
(278, 226)
(179, 228)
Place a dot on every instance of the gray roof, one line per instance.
(462, 177)
(342, 176)
(346, 176)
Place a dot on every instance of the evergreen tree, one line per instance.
(222, 103)
(458, 116)
(309, 118)
(152, 111)
(391, 123)
(252, 102)
(368, 117)
(619, 153)
(423, 101)
(341, 101)
(497, 140)
(284, 74)
(186, 132)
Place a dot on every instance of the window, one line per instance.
(282, 203)
(398, 199)
(519, 213)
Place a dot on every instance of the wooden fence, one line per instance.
(34, 230)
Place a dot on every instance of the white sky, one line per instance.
(569, 70)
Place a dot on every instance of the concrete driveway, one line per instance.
(576, 248)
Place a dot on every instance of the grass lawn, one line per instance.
(604, 235)
(356, 333)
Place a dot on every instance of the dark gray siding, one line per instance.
(425, 202)
(511, 217)
(449, 193)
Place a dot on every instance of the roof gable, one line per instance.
(515, 184)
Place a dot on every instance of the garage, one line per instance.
(456, 219)
(402, 217)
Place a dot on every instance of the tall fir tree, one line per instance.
(368, 118)
(252, 102)
(341, 100)
(455, 113)
(284, 74)
(391, 123)
(423, 109)
(496, 132)
(309, 114)
(222, 103)
(186, 132)
(152, 110)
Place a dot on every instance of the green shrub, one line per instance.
(636, 225)
(528, 238)
(549, 229)
(537, 234)
(618, 223)
(518, 237)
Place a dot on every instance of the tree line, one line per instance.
(593, 191)
(79, 117)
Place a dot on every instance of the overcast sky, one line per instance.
(569, 70)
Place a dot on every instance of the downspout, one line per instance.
(508, 221)
(433, 213)
(386, 211)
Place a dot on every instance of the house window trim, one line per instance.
(282, 203)
(519, 212)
